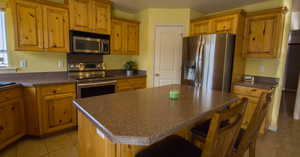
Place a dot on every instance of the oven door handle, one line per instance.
(97, 83)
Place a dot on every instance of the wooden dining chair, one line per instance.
(246, 137)
(219, 143)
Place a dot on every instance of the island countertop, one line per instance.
(145, 116)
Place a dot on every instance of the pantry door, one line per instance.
(168, 51)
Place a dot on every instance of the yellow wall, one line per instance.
(149, 18)
(48, 61)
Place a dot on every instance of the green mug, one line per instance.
(173, 94)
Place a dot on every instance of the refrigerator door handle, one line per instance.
(199, 62)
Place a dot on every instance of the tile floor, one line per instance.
(284, 143)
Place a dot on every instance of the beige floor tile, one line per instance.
(68, 151)
(57, 142)
(10, 151)
(31, 148)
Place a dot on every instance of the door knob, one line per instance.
(157, 75)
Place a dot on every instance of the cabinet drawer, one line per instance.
(57, 89)
(137, 83)
(123, 85)
(10, 94)
(248, 91)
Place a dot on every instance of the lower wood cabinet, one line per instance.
(12, 124)
(49, 108)
(131, 84)
(253, 95)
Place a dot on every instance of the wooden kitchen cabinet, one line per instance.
(117, 37)
(50, 107)
(253, 95)
(28, 26)
(263, 33)
(131, 84)
(125, 37)
(90, 16)
(40, 27)
(200, 27)
(12, 124)
(56, 29)
(226, 24)
(58, 112)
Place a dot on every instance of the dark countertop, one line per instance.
(48, 78)
(261, 85)
(261, 82)
(145, 116)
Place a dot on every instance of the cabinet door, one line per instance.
(117, 37)
(101, 17)
(200, 27)
(132, 38)
(261, 36)
(11, 120)
(56, 29)
(227, 24)
(28, 26)
(59, 112)
(80, 15)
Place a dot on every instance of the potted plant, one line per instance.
(130, 67)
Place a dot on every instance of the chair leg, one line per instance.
(252, 149)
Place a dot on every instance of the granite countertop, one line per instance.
(48, 78)
(260, 82)
(145, 116)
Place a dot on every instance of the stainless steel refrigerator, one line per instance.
(207, 61)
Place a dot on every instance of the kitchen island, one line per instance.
(121, 124)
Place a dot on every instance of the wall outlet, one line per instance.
(61, 63)
(262, 69)
(23, 63)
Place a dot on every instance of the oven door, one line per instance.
(86, 45)
(89, 89)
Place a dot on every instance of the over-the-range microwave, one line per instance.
(84, 42)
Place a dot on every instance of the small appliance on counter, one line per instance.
(2, 84)
(84, 42)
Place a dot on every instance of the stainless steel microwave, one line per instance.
(83, 42)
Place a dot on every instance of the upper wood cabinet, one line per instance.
(90, 16)
(80, 15)
(28, 26)
(226, 24)
(200, 27)
(125, 37)
(56, 28)
(220, 23)
(12, 124)
(263, 33)
(39, 27)
(117, 36)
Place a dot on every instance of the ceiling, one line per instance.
(204, 6)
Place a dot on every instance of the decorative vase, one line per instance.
(129, 72)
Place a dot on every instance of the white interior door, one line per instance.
(168, 51)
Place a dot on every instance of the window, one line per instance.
(3, 44)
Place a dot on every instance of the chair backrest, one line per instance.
(221, 138)
(255, 123)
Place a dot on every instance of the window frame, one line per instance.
(5, 52)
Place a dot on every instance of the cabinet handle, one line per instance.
(13, 108)
(253, 90)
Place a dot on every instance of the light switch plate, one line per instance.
(262, 68)
(61, 63)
